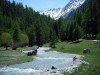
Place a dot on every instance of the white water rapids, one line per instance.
(42, 63)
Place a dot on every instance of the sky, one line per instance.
(43, 4)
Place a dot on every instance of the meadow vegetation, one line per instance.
(77, 48)
(9, 57)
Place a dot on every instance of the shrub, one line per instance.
(23, 38)
(98, 36)
(6, 40)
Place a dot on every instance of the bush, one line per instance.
(53, 44)
(23, 38)
(6, 40)
(98, 37)
(23, 41)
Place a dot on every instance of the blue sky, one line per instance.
(43, 4)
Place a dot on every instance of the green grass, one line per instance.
(9, 57)
(77, 48)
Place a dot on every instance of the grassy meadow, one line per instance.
(77, 48)
(9, 57)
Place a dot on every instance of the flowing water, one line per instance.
(42, 63)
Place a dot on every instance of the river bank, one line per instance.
(35, 67)
(43, 62)
(77, 48)
(9, 57)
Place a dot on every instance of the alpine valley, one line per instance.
(27, 34)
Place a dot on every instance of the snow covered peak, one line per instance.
(57, 13)
(51, 12)
(72, 5)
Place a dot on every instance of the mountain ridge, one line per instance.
(63, 12)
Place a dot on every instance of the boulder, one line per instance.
(34, 52)
(86, 51)
(29, 54)
(74, 58)
(53, 67)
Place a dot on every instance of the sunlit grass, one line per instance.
(8, 57)
(77, 48)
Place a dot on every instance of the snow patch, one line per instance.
(61, 12)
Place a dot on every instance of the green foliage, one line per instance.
(10, 57)
(88, 17)
(16, 34)
(23, 38)
(98, 37)
(39, 35)
(0, 37)
(6, 39)
(73, 31)
(0, 41)
(62, 29)
(53, 44)
(16, 19)
(31, 35)
(93, 58)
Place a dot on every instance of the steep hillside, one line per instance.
(63, 12)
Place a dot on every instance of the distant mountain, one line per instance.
(63, 12)
(53, 13)
(74, 12)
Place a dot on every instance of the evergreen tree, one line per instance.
(73, 31)
(14, 18)
(16, 34)
(39, 35)
(53, 38)
(31, 35)
(62, 29)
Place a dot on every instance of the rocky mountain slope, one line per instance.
(63, 12)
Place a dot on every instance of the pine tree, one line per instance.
(31, 35)
(39, 35)
(16, 34)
